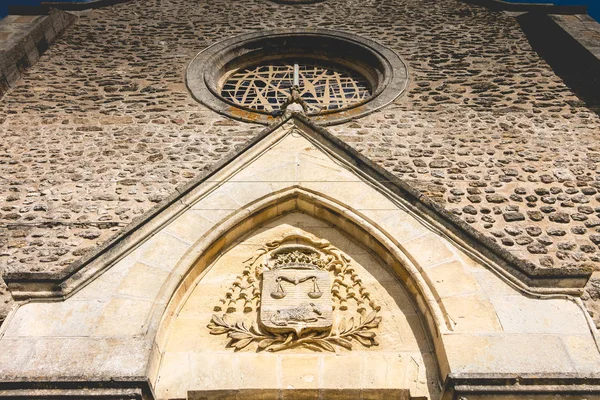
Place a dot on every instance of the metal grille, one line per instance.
(322, 86)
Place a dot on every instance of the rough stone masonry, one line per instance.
(103, 127)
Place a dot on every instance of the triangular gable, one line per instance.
(121, 302)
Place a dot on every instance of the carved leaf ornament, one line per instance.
(300, 292)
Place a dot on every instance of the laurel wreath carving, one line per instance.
(348, 294)
(343, 334)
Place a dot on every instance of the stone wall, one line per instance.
(218, 249)
(102, 127)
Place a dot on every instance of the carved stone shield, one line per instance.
(300, 280)
(296, 299)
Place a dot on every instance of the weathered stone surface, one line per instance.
(513, 216)
(169, 278)
(101, 129)
(296, 367)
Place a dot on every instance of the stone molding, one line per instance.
(252, 394)
(114, 389)
(511, 386)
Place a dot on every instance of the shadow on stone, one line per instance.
(570, 60)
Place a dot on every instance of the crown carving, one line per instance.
(298, 259)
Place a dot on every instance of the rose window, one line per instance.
(323, 86)
(338, 76)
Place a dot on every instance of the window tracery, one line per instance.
(323, 86)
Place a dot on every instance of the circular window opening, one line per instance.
(324, 87)
(340, 76)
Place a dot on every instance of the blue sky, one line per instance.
(593, 5)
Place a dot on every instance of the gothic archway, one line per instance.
(237, 239)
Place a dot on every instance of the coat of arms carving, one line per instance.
(292, 299)
(298, 291)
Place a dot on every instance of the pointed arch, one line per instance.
(195, 262)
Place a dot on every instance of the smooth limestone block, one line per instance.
(56, 319)
(342, 372)
(162, 251)
(100, 289)
(451, 279)
(342, 190)
(583, 352)
(428, 250)
(385, 370)
(218, 370)
(520, 314)
(259, 370)
(142, 281)
(493, 284)
(247, 192)
(399, 225)
(282, 173)
(370, 199)
(190, 226)
(507, 353)
(313, 155)
(310, 171)
(57, 358)
(124, 317)
(401, 332)
(173, 380)
(300, 371)
(21, 351)
(216, 200)
(472, 313)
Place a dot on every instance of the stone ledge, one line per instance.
(583, 28)
(265, 394)
(537, 386)
(118, 388)
(24, 38)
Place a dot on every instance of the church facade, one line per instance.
(280, 199)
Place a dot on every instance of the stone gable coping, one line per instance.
(25, 285)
